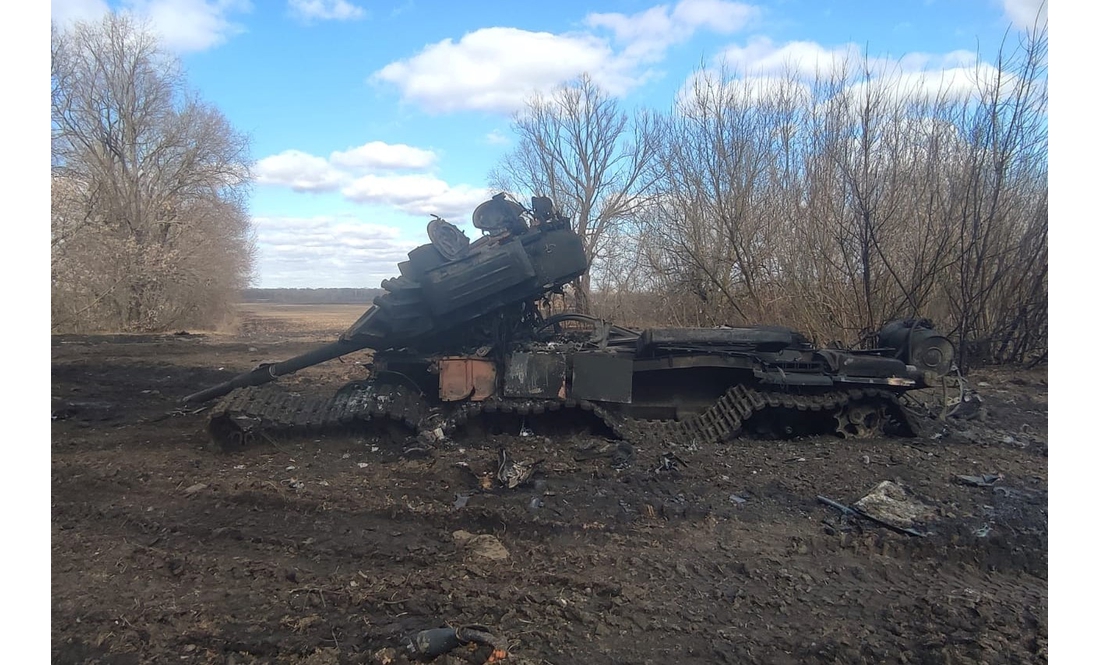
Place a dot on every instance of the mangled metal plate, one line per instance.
(604, 377)
(535, 375)
(463, 378)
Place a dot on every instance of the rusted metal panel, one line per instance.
(535, 375)
(469, 378)
(603, 377)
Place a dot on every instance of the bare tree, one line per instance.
(842, 202)
(833, 204)
(1001, 190)
(577, 147)
(150, 183)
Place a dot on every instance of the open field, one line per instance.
(262, 320)
(332, 549)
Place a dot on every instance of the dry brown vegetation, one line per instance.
(149, 226)
(832, 205)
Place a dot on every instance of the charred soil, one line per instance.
(335, 547)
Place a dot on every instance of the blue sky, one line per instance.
(366, 116)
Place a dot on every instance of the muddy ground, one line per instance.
(334, 549)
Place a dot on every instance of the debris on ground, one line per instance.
(511, 473)
(482, 545)
(889, 506)
(969, 407)
(984, 480)
(892, 504)
(846, 511)
(434, 642)
(669, 462)
(621, 453)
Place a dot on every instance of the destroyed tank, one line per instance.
(462, 338)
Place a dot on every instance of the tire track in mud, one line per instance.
(635, 564)
(270, 564)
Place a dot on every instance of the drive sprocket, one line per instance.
(861, 420)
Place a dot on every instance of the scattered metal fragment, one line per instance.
(969, 407)
(197, 487)
(849, 511)
(434, 642)
(415, 451)
(461, 500)
(984, 480)
(892, 504)
(594, 450)
(669, 462)
(511, 473)
(623, 456)
(621, 453)
(844, 510)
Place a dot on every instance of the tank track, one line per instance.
(251, 413)
(247, 414)
(741, 406)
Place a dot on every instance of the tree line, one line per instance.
(831, 204)
(305, 296)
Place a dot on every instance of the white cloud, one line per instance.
(328, 251)
(956, 74)
(304, 172)
(950, 83)
(497, 68)
(324, 10)
(1024, 14)
(366, 175)
(378, 155)
(417, 194)
(708, 87)
(70, 11)
(648, 34)
(761, 57)
(183, 25)
(299, 171)
(190, 25)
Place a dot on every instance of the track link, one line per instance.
(254, 412)
(741, 406)
(251, 413)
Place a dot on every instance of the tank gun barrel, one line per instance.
(271, 371)
(450, 284)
